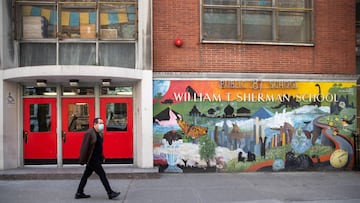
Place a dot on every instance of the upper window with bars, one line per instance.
(76, 32)
(257, 21)
(76, 19)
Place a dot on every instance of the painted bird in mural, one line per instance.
(193, 131)
(346, 122)
(317, 101)
(192, 92)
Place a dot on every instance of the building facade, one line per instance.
(272, 83)
(237, 85)
(61, 67)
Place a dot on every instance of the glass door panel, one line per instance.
(116, 117)
(77, 117)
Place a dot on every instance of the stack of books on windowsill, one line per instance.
(34, 27)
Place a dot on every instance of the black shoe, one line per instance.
(113, 194)
(81, 196)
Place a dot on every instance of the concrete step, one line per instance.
(75, 172)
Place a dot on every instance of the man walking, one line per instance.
(91, 154)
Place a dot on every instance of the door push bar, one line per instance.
(25, 136)
(63, 136)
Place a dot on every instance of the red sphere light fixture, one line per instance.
(178, 42)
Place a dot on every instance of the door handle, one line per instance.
(63, 136)
(25, 136)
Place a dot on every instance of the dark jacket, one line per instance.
(87, 146)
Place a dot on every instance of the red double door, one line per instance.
(77, 115)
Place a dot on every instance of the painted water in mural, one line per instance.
(235, 126)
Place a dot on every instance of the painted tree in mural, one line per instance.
(207, 149)
(158, 97)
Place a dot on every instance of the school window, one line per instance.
(76, 32)
(257, 21)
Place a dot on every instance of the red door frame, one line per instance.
(71, 141)
(118, 145)
(40, 147)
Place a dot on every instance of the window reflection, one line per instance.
(117, 20)
(258, 20)
(116, 117)
(40, 117)
(120, 91)
(77, 20)
(77, 54)
(37, 20)
(45, 54)
(67, 32)
(72, 91)
(78, 117)
(46, 91)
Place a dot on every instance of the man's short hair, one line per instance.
(96, 120)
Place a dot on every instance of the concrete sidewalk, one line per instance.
(268, 187)
(51, 172)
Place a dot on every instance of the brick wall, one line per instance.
(333, 52)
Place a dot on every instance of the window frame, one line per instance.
(274, 9)
(58, 6)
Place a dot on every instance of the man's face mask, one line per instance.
(101, 127)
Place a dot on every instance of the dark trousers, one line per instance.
(94, 166)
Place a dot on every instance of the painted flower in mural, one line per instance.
(300, 143)
(278, 165)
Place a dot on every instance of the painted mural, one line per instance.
(236, 126)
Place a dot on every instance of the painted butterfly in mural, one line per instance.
(193, 131)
